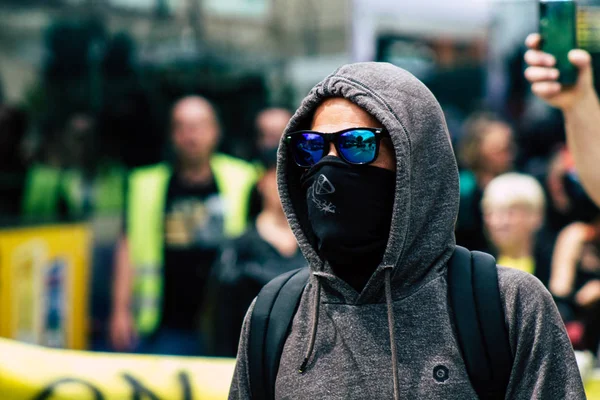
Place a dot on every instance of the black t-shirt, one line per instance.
(194, 230)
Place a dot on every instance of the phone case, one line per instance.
(558, 19)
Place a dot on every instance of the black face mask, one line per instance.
(350, 211)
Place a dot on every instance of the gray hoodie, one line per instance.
(386, 341)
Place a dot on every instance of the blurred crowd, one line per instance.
(204, 231)
(201, 232)
(538, 220)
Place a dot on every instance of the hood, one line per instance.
(426, 202)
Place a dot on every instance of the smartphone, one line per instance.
(558, 19)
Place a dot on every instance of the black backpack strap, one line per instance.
(480, 323)
(271, 319)
(493, 321)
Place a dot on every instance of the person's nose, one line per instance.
(494, 219)
(332, 150)
(503, 221)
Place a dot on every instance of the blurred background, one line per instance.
(86, 93)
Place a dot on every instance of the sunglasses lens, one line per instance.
(307, 149)
(358, 146)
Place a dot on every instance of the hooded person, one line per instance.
(374, 321)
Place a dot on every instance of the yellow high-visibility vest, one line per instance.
(147, 193)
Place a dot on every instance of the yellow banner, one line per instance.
(43, 284)
(592, 385)
(29, 372)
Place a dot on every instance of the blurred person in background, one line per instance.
(578, 103)
(177, 216)
(486, 150)
(561, 210)
(266, 250)
(270, 124)
(560, 207)
(13, 127)
(76, 180)
(575, 281)
(513, 208)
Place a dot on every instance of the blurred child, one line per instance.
(513, 208)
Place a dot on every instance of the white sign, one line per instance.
(144, 5)
(457, 18)
(237, 8)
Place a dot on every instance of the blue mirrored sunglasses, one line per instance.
(355, 145)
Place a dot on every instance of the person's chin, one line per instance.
(192, 158)
(501, 244)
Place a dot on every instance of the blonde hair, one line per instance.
(514, 189)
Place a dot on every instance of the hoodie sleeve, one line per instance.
(240, 386)
(544, 362)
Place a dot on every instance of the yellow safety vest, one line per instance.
(46, 185)
(145, 225)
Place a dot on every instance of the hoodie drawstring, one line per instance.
(391, 325)
(315, 324)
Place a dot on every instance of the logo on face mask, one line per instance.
(322, 187)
